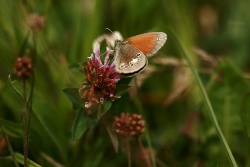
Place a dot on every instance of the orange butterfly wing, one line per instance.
(148, 43)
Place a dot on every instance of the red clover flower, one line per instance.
(23, 67)
(101, 79)
(128, 125)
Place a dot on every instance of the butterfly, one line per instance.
(131, 55)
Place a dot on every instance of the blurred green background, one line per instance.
(180, 129)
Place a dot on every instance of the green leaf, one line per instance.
(74, 97)
(104, 108)
(81, 124)
(122, 86)
(20, 159)
(92, 122)
(125, 80)
(12, 129)
(121, 89)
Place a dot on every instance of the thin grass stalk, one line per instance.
(146, 129)
(207, 102)
(25, 126)
(10, 147)
(30, 100)
(128, 151)
(145, 156)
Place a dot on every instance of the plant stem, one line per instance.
(30, 100)
(10, 148)
(25, 126)
(146, 129)
(145, 154)
(207, 102)
(128, 151)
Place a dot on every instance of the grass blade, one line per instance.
(207, 102)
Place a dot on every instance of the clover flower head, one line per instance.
(128, 125)
(101, 79)
(35, 22)
(23, 67)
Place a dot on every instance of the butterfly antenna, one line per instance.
(112, 32)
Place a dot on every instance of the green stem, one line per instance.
(146, 129)
(128, 151)
(30, 100)
(25, 128)
(145, 154)
(207, 101)
(10, 148)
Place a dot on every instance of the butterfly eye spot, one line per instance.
(134, 61)
(122, 65)
(138, 54)
(158, 39)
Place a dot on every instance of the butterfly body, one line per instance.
(131, 54)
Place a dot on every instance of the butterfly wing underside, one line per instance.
(148, 43)
(128, 59)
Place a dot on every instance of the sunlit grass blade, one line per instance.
(20, 158)
(207, 102)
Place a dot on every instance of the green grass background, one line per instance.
(66, 40)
